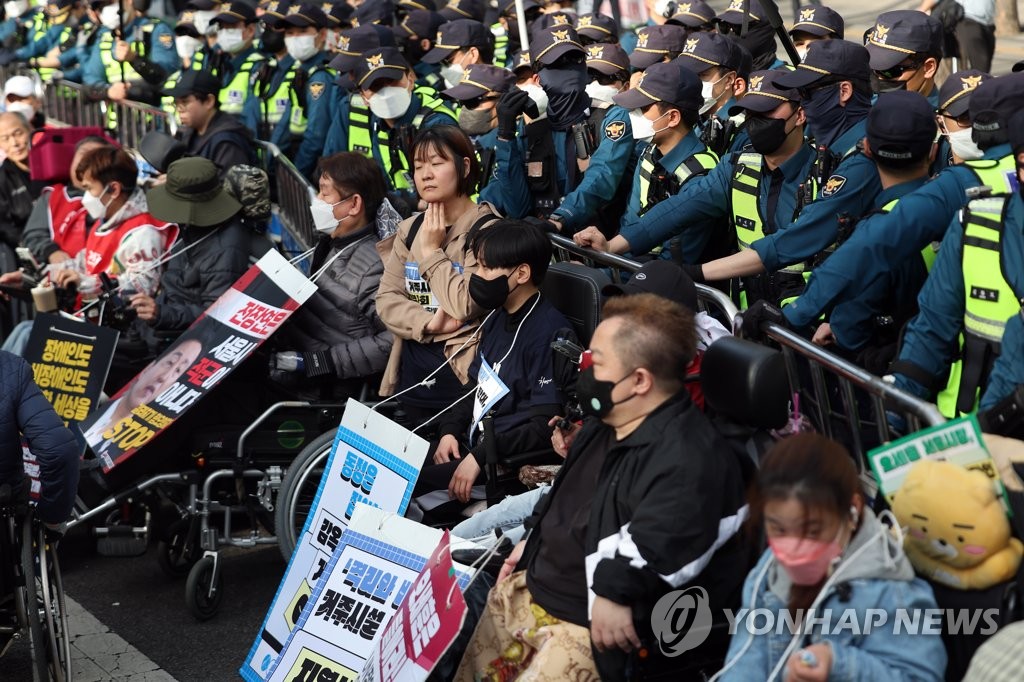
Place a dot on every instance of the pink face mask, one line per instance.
(806, 561)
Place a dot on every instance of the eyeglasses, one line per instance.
(963, 120)
(477, 102)
(182, 103)
(898, 70)
(17, 134)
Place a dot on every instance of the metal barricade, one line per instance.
(293, 194)
(841, 400)
(66, 103)
(135, 119)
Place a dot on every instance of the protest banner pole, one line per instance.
(524, 34)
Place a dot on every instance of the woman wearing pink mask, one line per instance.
(830, 553)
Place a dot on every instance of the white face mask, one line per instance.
(15, 8)
(802, 53)
(390, 102)
(23, 108)
(202, 21)
(186, 46)
(538, 95)
(643, 127)
(601, 93)
(707, 90)
(230, 39)
(323, 215)
(452, 74)
(300, 48)
(332, 40)
(110, 18)
(963, 146)
(94, 204)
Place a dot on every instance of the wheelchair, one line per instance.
(31, 571)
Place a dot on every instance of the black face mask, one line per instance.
(766, 134)
(567, 95)
(489, 294)
(880, 86)
(273, 41)
(413, 50)
(595, 396)
(760, 43)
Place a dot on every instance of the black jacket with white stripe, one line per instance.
(666, 515)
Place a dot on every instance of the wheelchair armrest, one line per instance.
(535, 457)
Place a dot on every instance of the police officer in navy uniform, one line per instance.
(657, 44)
(901, 139)
(696, 16)
(271, 80)
(236, 32)
(905, 48)
(398, 110)
(949, 348)
(597, 28)
(759, 39)
(379, 12)
(477, 94)
(815, 22)
(414, 36)
(507, 41)
(756, 191)
(458, 44)
(350, 125)
(309, 108)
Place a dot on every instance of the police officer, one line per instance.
(271, 79)
(657, 44)
(837, 281)
(236, 31)
(608, 170)
(339, 17)
(59, 31)
(507, 40)
(309, 114)
(540, 165)
(464, 9)
(398, 110)
(478, 93)
(133, 64)
(380, 12)
(815, 22)
(905, 48)
(414, 35)
(1008, 372)
(759, 39)
(458, 44)
(901, 139)
(955, 116)
(966, 301)
(22, 20)
(205, 11)
(597, 28)
(666, 102)
(723, 68)
(756, 191)
(696, 16)
(350, 126)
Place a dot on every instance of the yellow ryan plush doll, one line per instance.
(958, 533)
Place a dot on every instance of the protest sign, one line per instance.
(958, 441)
(373, 461)
(362, 585)
(226, 334)
(423, 627)
(70, 360)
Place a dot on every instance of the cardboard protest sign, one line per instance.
(373, 461)
(958, 441)
(70, 360)
(424, 627)
(226, 334)
(364, 582)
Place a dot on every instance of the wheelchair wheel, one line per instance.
(30, 602)
(298, 490)
(204, 589)
(178, 553)
(58, 639)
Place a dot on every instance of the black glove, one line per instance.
(757, 316)
(545, 225)
(511, 106)
(694, 272)
(319, 364)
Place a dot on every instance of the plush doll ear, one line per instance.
(979, 487)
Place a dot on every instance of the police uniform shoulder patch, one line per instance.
(614, 130)
(316, 89)
(833, 185)
(167, 40)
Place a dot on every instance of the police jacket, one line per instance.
(17, 192)
(341, 317)
(226, 141)
(197, 276)
(24, 411)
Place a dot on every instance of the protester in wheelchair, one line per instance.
(423, 297)
(830, 553)
(521, 382)
(337, 334)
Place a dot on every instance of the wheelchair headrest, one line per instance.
(575, 290)
(746, 382)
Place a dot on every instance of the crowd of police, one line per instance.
(845, 191)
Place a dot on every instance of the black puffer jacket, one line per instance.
(17, 193)
(341, 317)
(199, 274)
(24, 411)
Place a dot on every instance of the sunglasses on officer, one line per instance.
(477, 102)
(895, 72)
(606, 79)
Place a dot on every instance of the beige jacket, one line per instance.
(406, 318)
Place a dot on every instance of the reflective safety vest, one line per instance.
(276, 105)
(434, 80)
(989, 301)
(113, 69)
(298, 120)
(500, 44)
(657, 186)
(236, 91)
(390, 142)
(46, 72)
(359, 126)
